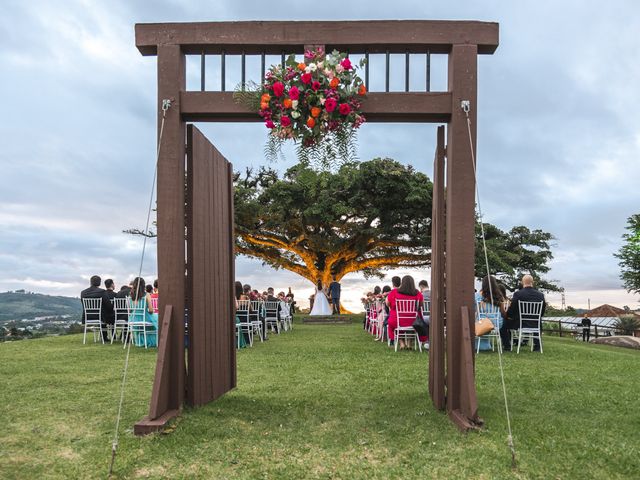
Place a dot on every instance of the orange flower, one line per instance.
(265, 98)
(264, 106)
(287, 103)
(302, 66)
(362, 90)
(311, 122)
(315, 111)
(334, 82)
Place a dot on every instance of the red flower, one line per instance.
(345, 109)
(294, 93)
(270, 124)
(285, 121)
(346, 64)
(315, 85)
(330, 104)
(305, 77)
(311, 122)
(278, 89)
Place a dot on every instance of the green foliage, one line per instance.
(627, 324)
(515, 253)
(338, 405)
(366, 217)
(629, 255)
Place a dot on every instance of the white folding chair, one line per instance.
(492, 313)
(285, 315)
(271, 316)
(121, 313)
(406, 310)
(92, 318)
(137, 321)
(242, 312)
(255, 309)
(530, 312)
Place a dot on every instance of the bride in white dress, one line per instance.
(320, 303)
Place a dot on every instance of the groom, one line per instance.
(334, 293)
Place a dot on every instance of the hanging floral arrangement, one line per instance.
(316, 103)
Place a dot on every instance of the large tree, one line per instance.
(514, 253)
(629, 255)
(365, 217)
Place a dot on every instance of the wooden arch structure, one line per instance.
(205, 252)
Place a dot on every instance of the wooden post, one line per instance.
(436, 329)
(171, 222)
(460, 236)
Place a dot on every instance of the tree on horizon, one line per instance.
(629, 255)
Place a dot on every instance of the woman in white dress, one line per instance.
(320, 302)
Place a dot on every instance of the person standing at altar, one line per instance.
(334, 293)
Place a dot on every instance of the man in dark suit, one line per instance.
(527, 294)
(94, 291)
(334, 293)
(110, 318)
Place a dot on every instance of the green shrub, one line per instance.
(626, 324)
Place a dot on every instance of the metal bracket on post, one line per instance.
(465, 105)
(166, 104)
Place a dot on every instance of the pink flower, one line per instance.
(270, 124)
(294, 93)
(306, 78)
(344, 109)
(346, 64)
(278, 89)
(315, 85)
(330, 104)
(285, 121)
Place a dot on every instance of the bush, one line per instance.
(627, 324)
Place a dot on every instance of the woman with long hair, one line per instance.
(490, 303)
(140, 298)
(406, 291)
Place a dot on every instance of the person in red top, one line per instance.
(406, 291)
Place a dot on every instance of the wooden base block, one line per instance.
(147, 426)
(463, 423)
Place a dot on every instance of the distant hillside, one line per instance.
(24, 305)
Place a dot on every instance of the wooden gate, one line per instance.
(211, 358)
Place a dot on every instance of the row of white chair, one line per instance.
(530, 312)
(277, 316)
(130, 318)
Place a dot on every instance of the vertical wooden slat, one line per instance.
(213, 348)
(460, 233)
(436, 329)
(233, 379)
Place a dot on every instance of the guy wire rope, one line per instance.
(466, 106)
(166, 104)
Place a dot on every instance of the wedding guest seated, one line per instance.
(239, 295)
(423, 285)
(490, 301)
(527, 294)
(140, 297)
(110, 317)
(106, 309)
(406, 291)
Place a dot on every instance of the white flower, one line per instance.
(295, 114)
(313, 67)
(320, 65)
(294, 104)
(322, 100)
(307, 69)
(339, 68)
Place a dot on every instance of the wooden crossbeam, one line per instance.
(374, 36)
(377, 107)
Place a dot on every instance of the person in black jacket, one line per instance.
(94, 291)
(109, 317)
(527, 294)
(586, 328)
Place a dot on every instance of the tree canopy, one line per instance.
(629, 255)
(514, 253)
(366, 217)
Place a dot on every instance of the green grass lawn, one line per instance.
(321, 402)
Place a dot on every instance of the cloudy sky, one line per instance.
(558, 145)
